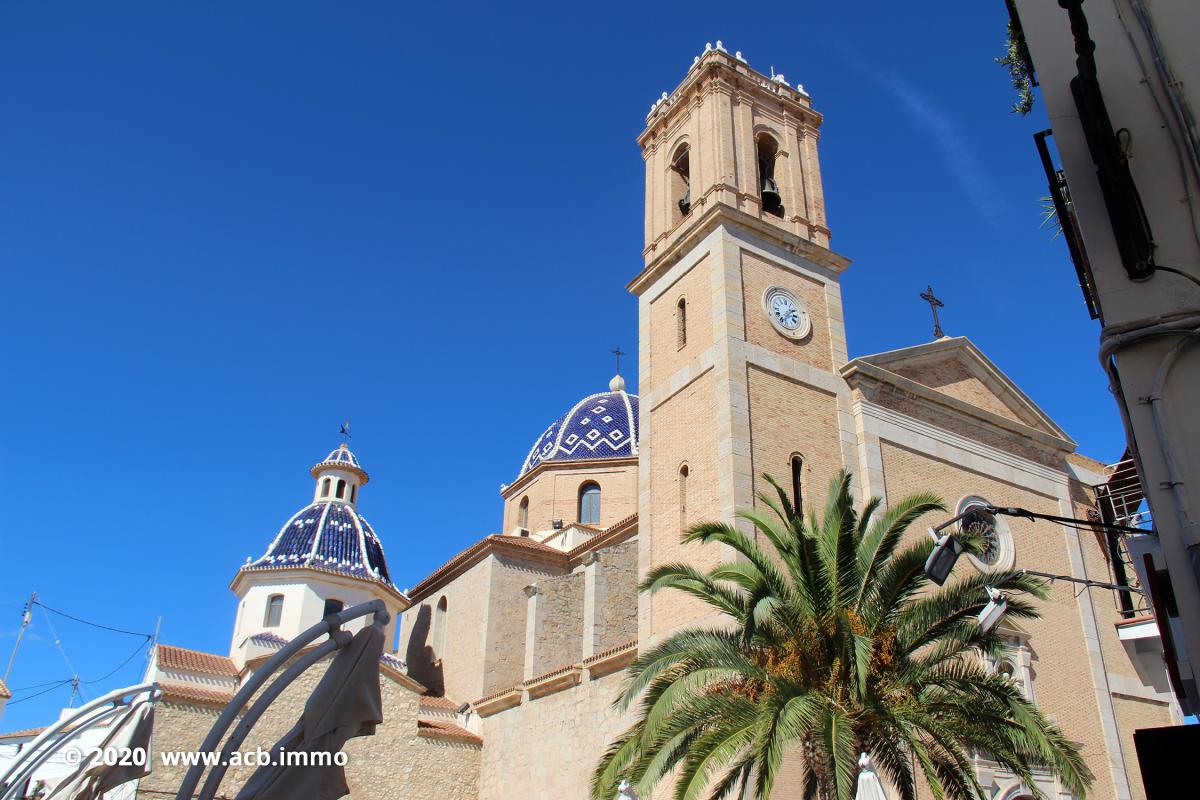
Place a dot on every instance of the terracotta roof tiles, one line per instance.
(199, 695)
(436, 729)
(21, 733)
(182, 659)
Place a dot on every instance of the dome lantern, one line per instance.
(338, 477)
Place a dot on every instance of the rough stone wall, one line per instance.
(757, 276)
(785, 418)
(547, 747)
(1062, 671)
(559, 640)
(616, 611)
(394, 764)
(506, 602)
(554, 494)
(683, 432)
(695, 287)
(952, 377)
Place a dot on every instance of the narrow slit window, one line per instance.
(798, 485)
(683, 496)
(681, 323)
(523, 513)
(325, 487)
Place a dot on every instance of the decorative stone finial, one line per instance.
(617, 384)
(738, 55)
(721, 47)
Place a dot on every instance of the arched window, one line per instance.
(341, 489)
(683, 496)
(325, 487)
(274, 611)
(589, 503)
(353, 493)
(798, 485)
(681, 323)
(768, 189)
(523, 513)
(332, 607)
(439, 628)
(681, 183)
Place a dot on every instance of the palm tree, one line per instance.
(839, 644)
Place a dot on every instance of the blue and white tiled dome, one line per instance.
(601, 425)
(330, 536)
(342, 458)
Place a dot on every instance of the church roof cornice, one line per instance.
(520, 547)
(521, 483)
(718, 70)
(1035, 425)
(665, 252)
(318, 571)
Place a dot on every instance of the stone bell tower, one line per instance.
(740, 314)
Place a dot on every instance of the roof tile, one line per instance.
(180, 658)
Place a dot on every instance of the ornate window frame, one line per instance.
(1003, 536)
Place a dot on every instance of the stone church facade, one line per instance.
(511, 653)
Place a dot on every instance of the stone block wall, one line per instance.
(394, 764)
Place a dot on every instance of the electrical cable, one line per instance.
(122, 664)
(39, 694)
(58, 644)
(93, 624)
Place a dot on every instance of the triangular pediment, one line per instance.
(956, 369)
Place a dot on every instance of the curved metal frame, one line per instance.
(36, 753)
(338, 638)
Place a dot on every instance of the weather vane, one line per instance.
(618, 352)
(345, 432)
(934, 304)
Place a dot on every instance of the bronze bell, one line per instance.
(772, 202)
(685, 204)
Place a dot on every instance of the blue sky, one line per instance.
(225, 227)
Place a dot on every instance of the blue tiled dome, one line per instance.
(330, 536)
(601, 425)
(341, 458)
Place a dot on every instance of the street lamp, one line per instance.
(946, 552)
(993, 611)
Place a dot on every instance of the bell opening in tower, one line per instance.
(768, 149)
(681, 182)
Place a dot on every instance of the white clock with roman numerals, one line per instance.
(787, 313)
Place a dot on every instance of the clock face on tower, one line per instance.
(787, 313)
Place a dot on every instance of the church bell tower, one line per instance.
(740, 314)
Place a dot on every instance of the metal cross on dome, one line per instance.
(618, 352)
(934, 304)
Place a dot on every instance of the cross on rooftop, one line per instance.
(934, 304)
(618, 352)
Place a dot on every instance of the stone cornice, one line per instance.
(860, 373)
(710, 219)
(332, 576)
(734, 77)
(524, 548)
(521, 483)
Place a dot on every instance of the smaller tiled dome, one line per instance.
(341, 458)
(329, 536)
